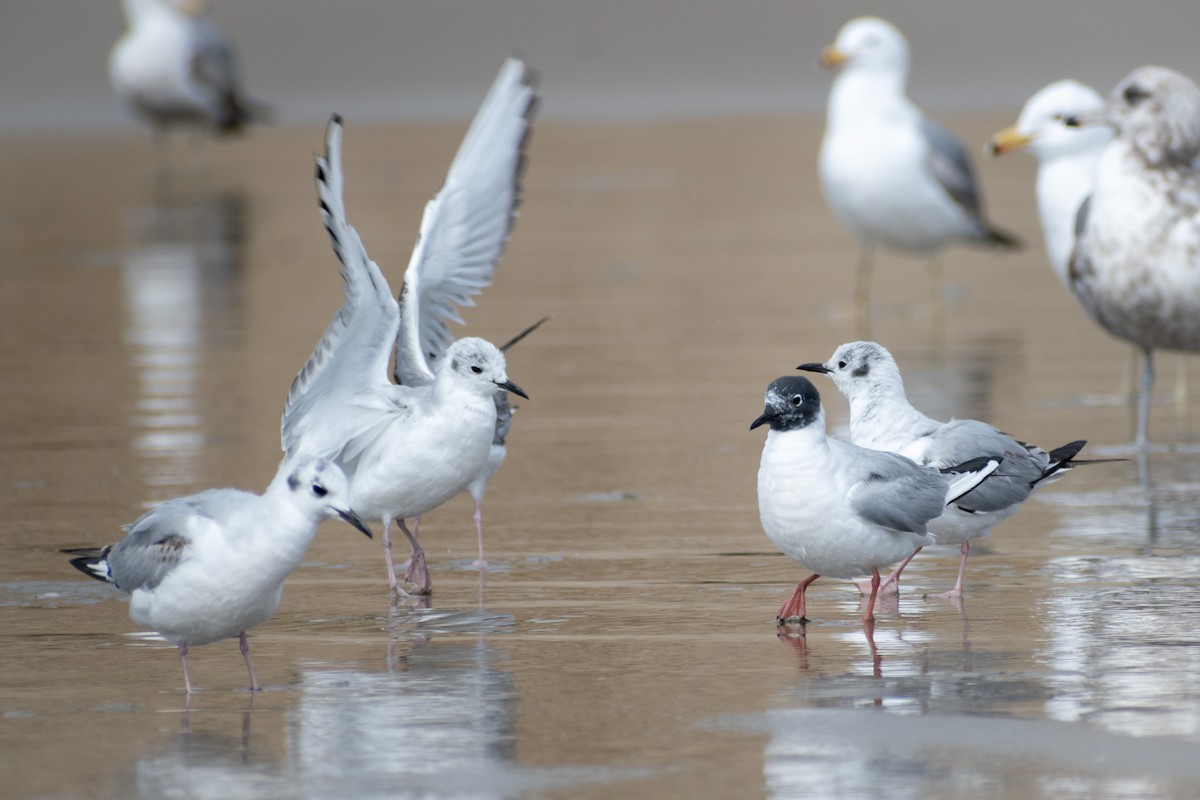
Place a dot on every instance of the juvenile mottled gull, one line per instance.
(174, 66)
(893, 176)
(1136, 262)
(839, 509)
(881, 418)
(210, 566)
(407, 449)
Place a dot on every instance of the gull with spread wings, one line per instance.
(409, 448)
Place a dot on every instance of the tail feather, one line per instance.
(1062, 461)
(91, 561)
(1001, 238)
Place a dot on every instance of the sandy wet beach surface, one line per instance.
(624, 639)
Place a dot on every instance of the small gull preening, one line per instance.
(173, 66)
(890, 174)
(211, 566)
(840, 509)
(881, 418)
(409, 448)
(1136, 262)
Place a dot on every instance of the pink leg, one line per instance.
(869, 617)
(418, 573)
(387, 554)
(187, 682)
(481, 562)
(793, 607)
(244, 646)
(957, 592)
(890, 584)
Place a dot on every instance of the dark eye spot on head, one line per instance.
(454, 365)
(1134, 94)
(861, 371)
(478, 370)
(293, 482)
(841, 365)
(797, 400)
(319, 490)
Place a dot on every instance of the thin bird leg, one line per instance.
(187, 682)
(387, 554)
(481, 562)
(418, 573)
(891, 584)
(416, 531)
(862, 291)
(1143, 421)
(244, 646)
(1181, 387)
(793, 607)
(957, 592)
(869, 617)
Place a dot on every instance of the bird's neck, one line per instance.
(859, 94)
(1062, 185)
(878, 414)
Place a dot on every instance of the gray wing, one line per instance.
(895, 493)
(951, 166)
(157, 542)
(1021, 467)
(466, 226)
(342, 397)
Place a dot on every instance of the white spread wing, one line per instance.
(342, 394)
(466, 225)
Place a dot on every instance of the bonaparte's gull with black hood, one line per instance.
(839, 509)
(890, 174)
(210, 566)
(407, 449)
(881, 418)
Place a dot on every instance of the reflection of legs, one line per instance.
(862, 291)
(793, 607)
(956, 592)
(890, 584)
(937, 299)
(244, 646)
(1143, 420)
(187, 682)
(418, 573)
(1181, 390)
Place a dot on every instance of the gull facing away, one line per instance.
(210, 566)
(840, 509)
(881, 418)
(1136, 263)
(409, 448)
(890, 174)
(173, 66)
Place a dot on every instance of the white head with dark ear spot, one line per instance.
(1157, 111)
(478, 366)
(319, 489)
(859, 368)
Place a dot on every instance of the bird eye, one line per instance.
(797, 399)
(1057, 117)
(319, 490)
(1134, 94)
(477, 370)
(841, 365)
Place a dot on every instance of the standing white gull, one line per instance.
(407, 449)
(209, 566)
(890, 174)
(881, 418)
(839, 509)
(1136, 262)
(173, 66)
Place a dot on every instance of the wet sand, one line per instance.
(624, 639)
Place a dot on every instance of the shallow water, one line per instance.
(623, 640)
